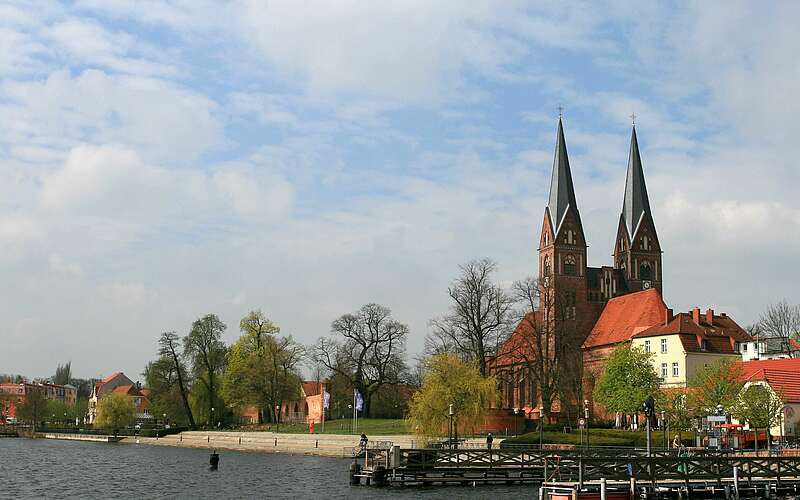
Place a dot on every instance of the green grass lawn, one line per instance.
(369, 426)
(598, 437)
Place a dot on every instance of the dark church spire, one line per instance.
(562, 193)
(636, 203)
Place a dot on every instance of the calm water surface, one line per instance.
(44, 468)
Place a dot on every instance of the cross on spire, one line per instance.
(633, 118)
(560, 111)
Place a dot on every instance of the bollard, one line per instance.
(208, 439)
(240, 440)
(736, 482)
(316, 443)
(276, 442)
(603, 489)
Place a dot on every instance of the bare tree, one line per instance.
(479, 315)
(544, 341)
(782, 321)
(168, 345)
(366, 348)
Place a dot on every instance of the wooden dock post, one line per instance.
(603, 488)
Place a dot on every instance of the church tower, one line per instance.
(562, 244)
(637, 251)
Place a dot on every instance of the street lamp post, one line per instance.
(450, 431)
(277, 418)
(541, 426)
(586, 417)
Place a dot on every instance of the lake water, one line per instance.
(67, 469)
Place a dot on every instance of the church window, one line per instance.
(645, 273)
(645, 243)
(569, 266)
(547, 267)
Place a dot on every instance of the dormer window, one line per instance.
(569, 266)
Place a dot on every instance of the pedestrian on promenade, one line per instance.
(676, 443)
(363, 442)
(489, 440)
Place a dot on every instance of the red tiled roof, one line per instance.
(625, 316)
(720, 335)
(512, 349)
(125, 389)
(780, 374)
(110, 378)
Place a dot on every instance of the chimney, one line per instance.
(668, 316)
(724, 315)
(710, 316)
(696, 315)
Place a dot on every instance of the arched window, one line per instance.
(645, 243)
(547, 268)
(645, 272)
(569, 265)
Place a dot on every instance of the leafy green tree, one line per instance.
(115, 411)
(63, 374)
(674, 402)
(450, 380)
(714, 385)
(165, 398)
(34, 409)
(206, 351)
(172, 364)
(759, 406)
(262, 367)
(628, 379)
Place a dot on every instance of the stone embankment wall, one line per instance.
(330, 445)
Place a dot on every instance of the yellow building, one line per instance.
(686, 342)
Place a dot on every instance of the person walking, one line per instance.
(489, 440)
(363, 442)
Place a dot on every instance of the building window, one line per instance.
(644, 271)
(703, 345)
(646, 346)
(663, 346)
(547, 267)
(645, 243)
(744, 348)
(569, 266)
(674, 369)
(663, 370)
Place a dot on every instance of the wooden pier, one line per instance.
(596, 473)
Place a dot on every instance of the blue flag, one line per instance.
(359, 401)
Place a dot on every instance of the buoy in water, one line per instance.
(213, 461)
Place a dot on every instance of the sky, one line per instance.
(162, 160)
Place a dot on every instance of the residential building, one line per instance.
(120, 384)
(686, 342)
(18, 394)
(307, 408)
(770, 348)
(781, 377)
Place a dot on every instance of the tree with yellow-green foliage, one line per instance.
(115, 411)
(449, 380)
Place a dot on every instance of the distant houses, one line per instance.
(120, 384)
(19, 393)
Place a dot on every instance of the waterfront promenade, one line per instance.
(326, 445)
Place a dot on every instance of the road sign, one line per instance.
(581, 423)
(717, 418)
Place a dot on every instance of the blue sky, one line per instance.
(162, 160)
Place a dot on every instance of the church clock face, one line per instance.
(646, 284)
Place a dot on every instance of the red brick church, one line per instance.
(600, 306)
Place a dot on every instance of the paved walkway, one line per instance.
(330, 445)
